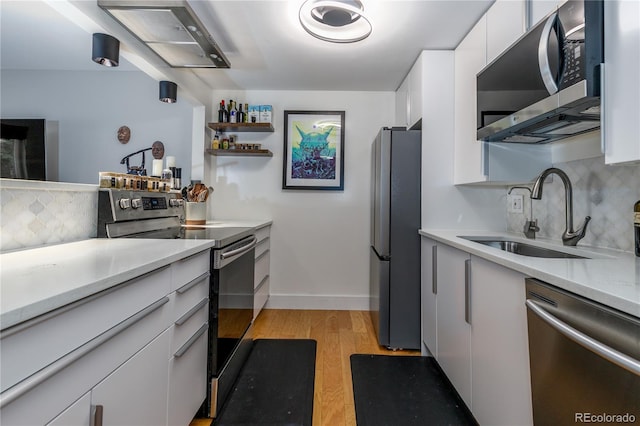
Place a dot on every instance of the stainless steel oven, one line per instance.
(231, 313)
(584, 357)
(153, 215)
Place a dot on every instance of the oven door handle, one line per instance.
(239, 251)
(604, 351)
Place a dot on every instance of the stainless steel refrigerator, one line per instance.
(395, 243)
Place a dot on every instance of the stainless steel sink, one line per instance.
(522, 249)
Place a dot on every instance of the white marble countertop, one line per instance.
(223, 223)
(607, 276)
(39, 280)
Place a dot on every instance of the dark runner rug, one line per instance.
(404, 390)
(274, 387)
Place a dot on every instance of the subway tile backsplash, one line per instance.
(42, 213)
(606, 193)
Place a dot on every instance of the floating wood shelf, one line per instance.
(241, 152)
(242, 127)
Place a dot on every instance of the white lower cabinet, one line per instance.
(157, 338)
(79, 414)
(501, 386)
(187, 383)
(136, 393)
(262, 269)
(454, 332)
(429, 290)
(478, 312)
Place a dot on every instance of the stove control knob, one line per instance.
(125, 203)
(175, 202)
(136, 203)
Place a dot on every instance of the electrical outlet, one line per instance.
(516, 204)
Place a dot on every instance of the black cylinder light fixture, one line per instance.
(168, 91)
(106, 50)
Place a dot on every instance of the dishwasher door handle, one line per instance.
(622, 360)
(237, 252)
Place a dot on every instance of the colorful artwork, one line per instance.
(314, 145)
(312, 157)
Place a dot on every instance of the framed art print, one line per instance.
(313, 150)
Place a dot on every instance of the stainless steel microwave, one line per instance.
(546, 86)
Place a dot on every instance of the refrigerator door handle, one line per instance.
(381, 256)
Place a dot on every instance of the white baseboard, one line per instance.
(321, 302)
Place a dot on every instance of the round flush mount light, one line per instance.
(105, 50)
(168, 92)
(338, 21)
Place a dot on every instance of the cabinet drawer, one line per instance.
(187, 325)
(44, 401)
(263, 233)
(262, 246)
(260, 296)
(190, 268)
(187, 296)
(187, 372)
(262, 268)
(78, 414)
(136, 392)
(29, 347)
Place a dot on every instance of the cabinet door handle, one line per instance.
(434, 269)
(467, 291)
(35, 379)
(97, 415)
(603, 111)
(191, 312)
(184, 348)
(192, 283)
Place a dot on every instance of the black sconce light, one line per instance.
(168, 91)
(106, 50)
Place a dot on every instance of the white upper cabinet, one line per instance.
(480, 162)
(415, 92)
(505, 24)
(541, 8)
(620, 106)
(409, 96)
(470, 58)
(402, 103)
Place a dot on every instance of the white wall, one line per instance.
(319, 239)
(445, 206)
(90, 107)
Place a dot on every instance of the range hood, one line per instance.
(546, 86)
(171, 29)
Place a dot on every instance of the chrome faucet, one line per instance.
(569, 236)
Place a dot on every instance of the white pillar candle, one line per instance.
(156, 170)
(171, 162)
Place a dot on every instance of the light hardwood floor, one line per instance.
(338, 335)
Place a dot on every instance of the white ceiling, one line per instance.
(267, 47)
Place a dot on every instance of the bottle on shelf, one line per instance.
(233, 115)
(241, 115)
(636, 226)
(230, 112)
(222, 113)
(246, 113)
(215, 143)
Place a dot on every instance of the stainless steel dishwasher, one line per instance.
(584, 359)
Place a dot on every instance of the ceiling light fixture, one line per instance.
(168, 92)
(337, 21)
(105, 50)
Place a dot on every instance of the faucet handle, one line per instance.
(572, 238)
(530, 228)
